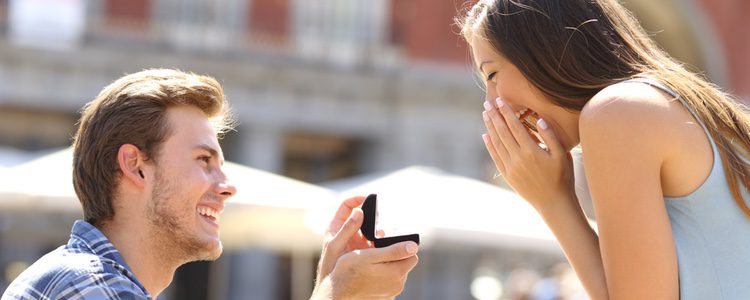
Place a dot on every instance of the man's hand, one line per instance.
(337, 241)
(350, 268)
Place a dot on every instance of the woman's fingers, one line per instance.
(500, 128)
(499, 165)
(494, 139)
(549, 138)
(517, 129)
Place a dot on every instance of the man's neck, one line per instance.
(144, 255)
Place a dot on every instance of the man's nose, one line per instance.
(225, 190)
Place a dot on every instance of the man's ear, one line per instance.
(130, 160)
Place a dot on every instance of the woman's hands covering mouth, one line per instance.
(530, 158)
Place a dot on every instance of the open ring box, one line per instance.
(369, 207)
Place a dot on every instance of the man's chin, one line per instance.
(212, 252)
(205, 251)
(216, 253)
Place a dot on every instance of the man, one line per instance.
(147, 170)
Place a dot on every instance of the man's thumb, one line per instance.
(395, 252)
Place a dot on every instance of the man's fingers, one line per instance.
(395, 252)
(343, 212)
(347, 231)
(346, 207)
(400, 267)
(410, 263)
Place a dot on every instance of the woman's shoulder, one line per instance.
(630, 104)
(628, 99)
(633, 114)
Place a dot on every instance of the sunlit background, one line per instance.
(334, 97)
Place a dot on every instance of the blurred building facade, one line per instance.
(322, 89)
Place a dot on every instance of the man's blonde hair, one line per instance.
(132, 110)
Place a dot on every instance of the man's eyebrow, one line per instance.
(213, 151)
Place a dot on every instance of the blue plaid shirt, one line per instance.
(88, 267)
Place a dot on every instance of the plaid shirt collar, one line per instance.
(88, 238)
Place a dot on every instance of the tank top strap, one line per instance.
(657, 85)
(674, 94)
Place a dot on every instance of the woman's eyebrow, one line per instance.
(481, 65)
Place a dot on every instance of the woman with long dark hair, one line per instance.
(665, 152)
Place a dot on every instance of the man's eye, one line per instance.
(205, 159)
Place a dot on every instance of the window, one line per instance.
(127, 14)
(203, 25)
(3, 16)
(49, 24)
(317, 158)
(268, 21)
(120, 22)
(35, 129)
(341, 31)
(401, 12)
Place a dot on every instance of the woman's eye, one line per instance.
(491, 76)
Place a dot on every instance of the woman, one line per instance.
(664, 151)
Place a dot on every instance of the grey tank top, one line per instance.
(711, 234)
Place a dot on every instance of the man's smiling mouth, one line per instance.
(209, 213)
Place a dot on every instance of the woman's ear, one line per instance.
(130, 160)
